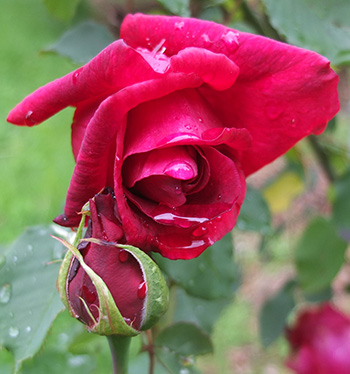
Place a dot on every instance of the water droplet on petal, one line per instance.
(13, 332)
(179, 25)
(141, 292)
(200, 231)
(188, 127)
(123, 256)
(5, 293)
(177, 190)
(200, 120)
(274, 111)
(219, 197)
(29, 121)
(231, 38)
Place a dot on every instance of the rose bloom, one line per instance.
(320, 342)
(174, 117)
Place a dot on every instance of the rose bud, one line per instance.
(175, 116)
(320, 342)
(110, 287)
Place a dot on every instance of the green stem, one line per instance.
(119, 346)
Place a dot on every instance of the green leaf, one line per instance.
(341, 206)
(255, 213)
(6, 362)
(29, 301)
(203, 313)
(166, 362)
(83, 42)
(64, 10)
(212, 275)
(319, 255)
(178, 7)
(274, 313)
(186, 339)
(305, 24)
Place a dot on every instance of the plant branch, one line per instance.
(322, 157)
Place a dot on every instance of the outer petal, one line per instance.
(91, 171)
(281, 95)
(117, 66)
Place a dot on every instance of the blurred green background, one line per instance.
(35, 163)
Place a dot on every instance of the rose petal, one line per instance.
(282, 94)
(205, 64)
(176, 162)
(91, 173)
(183, 117)
(117, 66)
(178, 33)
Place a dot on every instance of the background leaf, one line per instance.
(203, 313)
(83, 42)
(341, 206)
(255, 213)
(274, 313)
(212, 275)
(177, 7)
(186, 339)
(319, 255)
(305, 23)
(29, 301)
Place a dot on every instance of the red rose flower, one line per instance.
(320, 342)
(174, 117)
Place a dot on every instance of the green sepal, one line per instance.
(157, 297)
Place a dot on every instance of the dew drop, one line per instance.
(141, 292)
(200, 120)
(179, 25)
(123, 256)
(76, 76)
(274, 111)
(231, 38)
(2, 261)
(219, 197)
(177, 190)
(15, 259)
(13, 332)
(188, 127)
(28, 329)
(5, 293)
(200, 231)
(12, 315)
(29, 118)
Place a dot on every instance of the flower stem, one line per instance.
(119, 346)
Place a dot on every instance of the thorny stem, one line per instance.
(119, 346)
